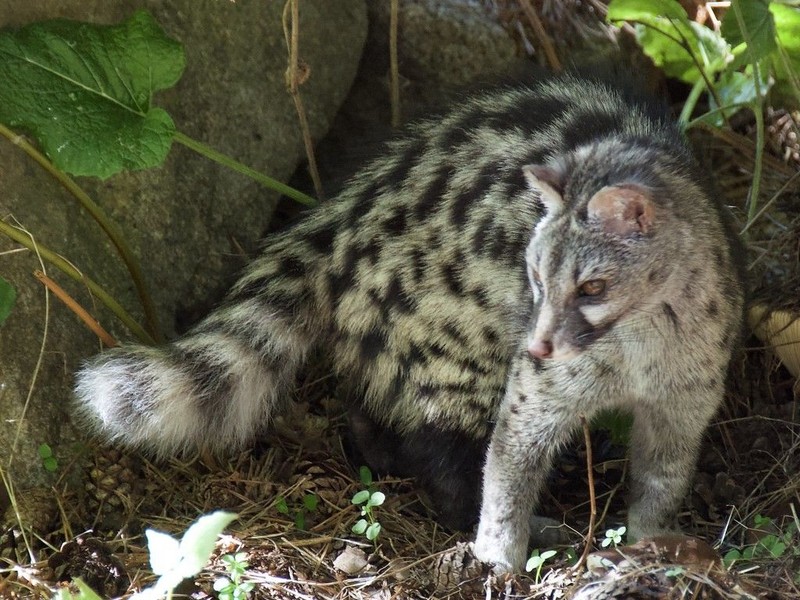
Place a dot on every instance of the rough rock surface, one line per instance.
(186, 220)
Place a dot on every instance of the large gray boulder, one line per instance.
(187, 220)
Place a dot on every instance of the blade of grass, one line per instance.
(107, 225)
(57, 261)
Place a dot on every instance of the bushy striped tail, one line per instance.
(214, 388)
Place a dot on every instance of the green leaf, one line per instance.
(759, 28)
(7, 297)
(310, 501)
(300, 520)
(675, 43)
(376, 499)
(281, 506)
(373, 531)
(45, 451)
(360, 497)
(85, 91)
(679, 47)
(365, 475)
(360, 527)
(634, 10)
(50, 464)
(787, 61)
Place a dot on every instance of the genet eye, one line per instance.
(593, 287)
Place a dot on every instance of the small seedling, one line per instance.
(536, 561)
(232, 587)
(368, 499)
(310, 502)
(675, 572)
(613, 536)
(771, 545)
(49, 461)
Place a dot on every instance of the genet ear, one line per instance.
(623, 210)
(549, 182)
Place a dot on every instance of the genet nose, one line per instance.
(540, 348)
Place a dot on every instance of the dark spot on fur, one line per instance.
(585, 125)
(522, 398)
(498, 246)
(396, 224)
(321, 239)
(366, 200)
(371, 250)
(291, 266)
(452, 278)
(396, 296)
(481, 297)
(459, 211)
(431, 199)
(373, 343)
(514, 409)
(455, 333)
(418, 264)
(480, 239)
(669, 312)
(437, 350)
(338, 284)
(491, 336)
(712, 309)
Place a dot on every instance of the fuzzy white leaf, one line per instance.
(198, 541)
(164, 551)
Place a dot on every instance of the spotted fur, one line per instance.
(443, 283)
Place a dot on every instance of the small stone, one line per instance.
(351, 561)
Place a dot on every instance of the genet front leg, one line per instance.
(533, 423)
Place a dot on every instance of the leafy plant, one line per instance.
(232, 587)
(536, 561)
(769, 545)
(85, 92)
(310, 502)
(756, 48)
(49, 461)
(613, 536)
(368, 499)
(175, 560)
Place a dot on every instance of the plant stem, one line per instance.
(104, 297)
(691, 102)
(752, 201)
(106, 224)
(227, 161)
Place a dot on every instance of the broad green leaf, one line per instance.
(634, 10)
(360, 527)
(373, 531)
(7, 297)
(678, 47)
(360, 497)
(787, 64)
(310, 501)
(759, 28)
(45, 451)
(365, 475)
(376, 499)
(85, 91)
